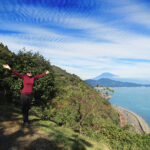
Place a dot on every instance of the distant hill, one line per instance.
(117, 78)
(112, 83)
(105, 75)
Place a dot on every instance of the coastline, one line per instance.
(131, 87)
(129, 117)
(122, 87)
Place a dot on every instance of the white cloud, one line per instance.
(85, 58)
(133, 11)
(92, 58)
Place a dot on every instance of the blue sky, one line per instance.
(84, 37)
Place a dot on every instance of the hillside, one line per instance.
(83, 100)
(60, 97)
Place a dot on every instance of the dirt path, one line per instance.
(13, 136)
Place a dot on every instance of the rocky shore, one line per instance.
(129, 117)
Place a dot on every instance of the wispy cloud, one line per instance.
(85, 37)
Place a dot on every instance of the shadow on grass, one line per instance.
(45, 144)
(55, 140)
(9, 112)
(71, 142)
(10, 141)
(79, 144)
(26, 138)
(60, 142)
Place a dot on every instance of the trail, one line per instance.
(13, 136)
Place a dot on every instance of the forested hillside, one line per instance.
(64, 99)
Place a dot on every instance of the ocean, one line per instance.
(136, 99)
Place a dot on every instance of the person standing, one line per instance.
(27, 91)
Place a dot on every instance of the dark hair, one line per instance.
(29, 71)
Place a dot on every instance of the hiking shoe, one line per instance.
(25, 124)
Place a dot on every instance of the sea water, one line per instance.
(135, 99)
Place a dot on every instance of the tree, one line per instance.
(11, 85)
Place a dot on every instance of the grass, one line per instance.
(41, 135)
(69, 139)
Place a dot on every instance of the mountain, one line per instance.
(117, 78)
(110, 80)
(105, 82)
(105, 75)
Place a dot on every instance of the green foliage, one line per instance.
(110, 90)
(5, 80)
(44, 89)
(125, 138)
(79, 106)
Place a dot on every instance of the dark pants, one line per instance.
(26, 102)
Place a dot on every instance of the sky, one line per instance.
(83, 37)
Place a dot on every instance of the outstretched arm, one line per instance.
(41, 75)
(8, 67)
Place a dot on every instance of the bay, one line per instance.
(135, 99)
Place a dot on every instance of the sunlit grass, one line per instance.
(69, 139)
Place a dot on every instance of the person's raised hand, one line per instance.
(6, 67)
(47, 72)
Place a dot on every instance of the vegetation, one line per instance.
(68, 101)
(105, 90)
(41, 135)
